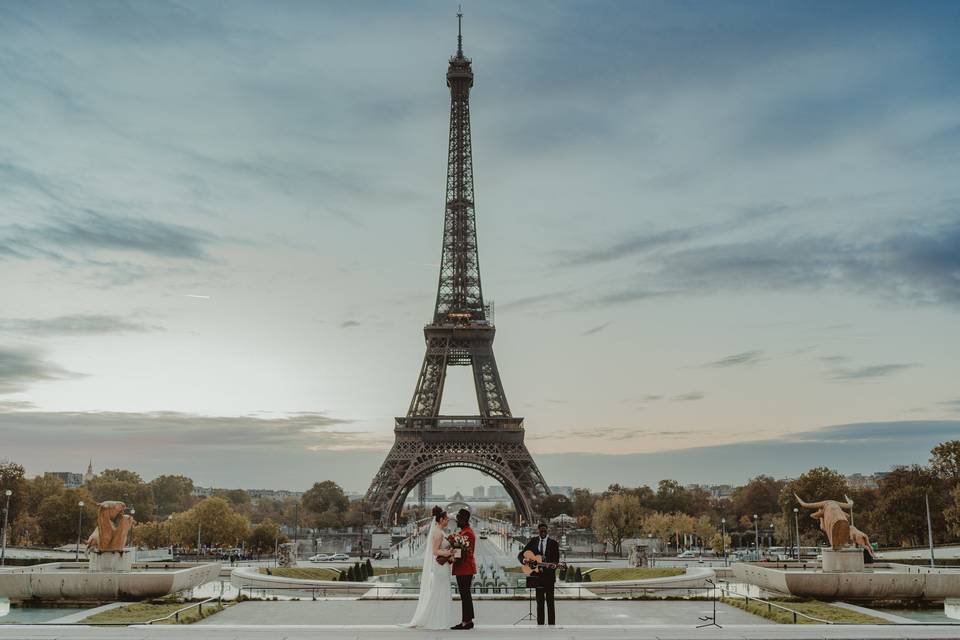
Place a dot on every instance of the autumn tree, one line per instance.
(171, 493)
(12, 479)
(60, 519)
(127, 487)
(39, 489)
(326, 504)
(215, 520)
(816, 484)
(581, 505)
(616, 518)
(264, 536)
(152, 535)
(900, 516)
(759, 496)
(945, 462)
(553, 505)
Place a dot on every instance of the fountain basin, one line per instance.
(881, 582)
(65, 581)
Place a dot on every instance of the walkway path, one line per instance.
(490, 612)
(586, 632)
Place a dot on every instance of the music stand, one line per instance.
(710, 621)
(531, 582)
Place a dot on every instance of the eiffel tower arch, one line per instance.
(461, 334)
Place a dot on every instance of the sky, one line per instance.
(722, 239)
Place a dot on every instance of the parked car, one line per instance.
(338, 557)
(320, 557)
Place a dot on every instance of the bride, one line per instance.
(433, 606)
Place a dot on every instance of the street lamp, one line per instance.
(6, 512)
(796, 524)
(79, 529)
(756, 535)
(723, 539)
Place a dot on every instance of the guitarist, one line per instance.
(549, 551)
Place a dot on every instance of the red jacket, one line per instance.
(467, 565)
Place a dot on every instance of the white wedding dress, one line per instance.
(435, 602)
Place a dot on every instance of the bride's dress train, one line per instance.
(435, 602)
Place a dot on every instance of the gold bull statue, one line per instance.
(834, 521)
(113, 527)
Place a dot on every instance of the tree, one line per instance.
(11, 477)
(553, 505)
(218, 524)
(127, 487)
(900, 516)
(59, 517)
(759, 496)
(616, 518)
(672, 497)
(718, 543)
(265, 536)
(704, 529)
(582, 503)
(945, 461)
(25, 531)
(151, 535)
(952, 513)
(41, 488)
(325, 496)
(238, 499)
(814, 485)
(171, 493)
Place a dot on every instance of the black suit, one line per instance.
(545, 580)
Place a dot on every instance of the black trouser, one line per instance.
(545, 592)
(466, 598)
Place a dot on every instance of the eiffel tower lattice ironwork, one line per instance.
(461, 334)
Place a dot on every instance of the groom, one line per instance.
(464, 569)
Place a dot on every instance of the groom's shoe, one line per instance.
(468, 625)
(458, 627)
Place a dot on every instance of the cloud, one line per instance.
(746, 358)
(872, 372)
(596, 329)
(170, 433)
(348, 324)
(615, 434)
(953, 405)
(691, 396)
(64, 236)
(75, 325)
(636, 245)
(20, 368)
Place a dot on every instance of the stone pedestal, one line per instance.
(112, 561)
(842, 561)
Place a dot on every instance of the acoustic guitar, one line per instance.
(533, 563)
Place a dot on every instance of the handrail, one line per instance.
(176, 614)
(747, 599)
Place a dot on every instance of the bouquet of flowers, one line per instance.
(460, 544)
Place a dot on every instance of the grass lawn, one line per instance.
(635, 573)
(323, 573)
(813, 608)
(389, 571)
(302, 573)
(144, 611)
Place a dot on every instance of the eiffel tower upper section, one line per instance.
(459, 295)
(460, 333)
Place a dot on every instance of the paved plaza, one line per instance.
(489, 612)
(566, 632)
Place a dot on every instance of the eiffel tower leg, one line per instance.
(490, 396)
(433, 374)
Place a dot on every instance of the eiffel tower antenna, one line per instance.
(461, 334)
(460, 31)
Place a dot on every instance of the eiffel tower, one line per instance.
(461, 334)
